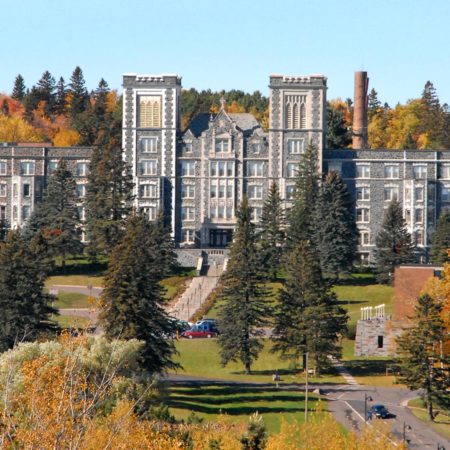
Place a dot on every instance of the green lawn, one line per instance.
(71, 321)
(75, 280)
(200, 357)
(72, 300)
(238, 402)
(441, 423)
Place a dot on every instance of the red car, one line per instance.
(199, 331)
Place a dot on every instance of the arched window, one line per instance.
(288, 115)
(296, 116)
(302, 123)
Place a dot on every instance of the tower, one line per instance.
(151, 120)
(297, 117)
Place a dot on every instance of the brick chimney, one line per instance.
(360, 118)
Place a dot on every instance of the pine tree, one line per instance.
(338, 135)
(46, 88)
(301, 217)
(336, 233)
(244, 310)
(60, 97)
(57, 216)
(441, 239)
(433, 120)
(272, 234)
(25, 307)
(78, 93)
(109, 193)
(19, 89)
(393, 244)
(424, 365)
(308, 318)
(374, 105)
(133, 298)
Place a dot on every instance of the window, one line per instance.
(334, 166)
(363, 258)
(26, 211)
(362, 193)
(52, 166)
(148, 167)
(3, 167)
(420, 172)
(364, 237)
(419, 237)
(222, 190)
(295, 111)
(362, 215)
(82, 169)
(187, 236)
(222, 168)
(418, 215)
(2, 212)
(187, 147)
(295, 146)
(81, 213)
(390, 193)
(149, 114)
(362, 171)
(291, 170)
(3, 190)
(255, 168)
(148, 190)
(187, 168)
(391, 171)
(380, 341)
(149, 211)
(81, 190)
(187, 213)
(445, 194)
(27, 168)
(26, 190)
(256, 214)
(149, 144)
(187, 191)
(290, 192)
(222, 145)
(418, 194)
(213, 191)
(256, 148)
(255, 191)
(445, 171)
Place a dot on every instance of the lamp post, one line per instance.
(367, 398)
(406, 427)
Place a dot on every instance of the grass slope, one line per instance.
(441, 423)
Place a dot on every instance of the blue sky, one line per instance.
(232, 44)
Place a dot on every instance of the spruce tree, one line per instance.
(301, 216)
(46, 88)
(272, 233)
(109, 193)
(441, 239)
(133, 298)
(57, 216)
(374, 105)
(338, 136)
(308, 318)
(19, 89)
(433, 120)
(424, 365)
(25, 308)
(60, 97)
(393, 244)
(78, 93)
(336, 232)
(244, 310)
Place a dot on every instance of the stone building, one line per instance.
(24, 173)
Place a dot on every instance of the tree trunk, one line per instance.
(63, 262)
(248, 370)
(430, 406)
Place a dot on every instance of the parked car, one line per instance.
(211, 324)
(200, 331)
(381, 412)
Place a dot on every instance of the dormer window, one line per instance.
(222, 145)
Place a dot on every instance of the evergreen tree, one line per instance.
(244, 310)
(301, 216)
(374, 105)
(60, 97)
(46, 89)
(109, 193)
(441, 239)
(78, 93)
(308, 318)
(272, 233)
(393, 244)
(57, 216)
(133, 298)
(338, 136)
(336, 232)
(18, 92)
(424, 365)
(433, 120)
(25, 307)
(256, 436)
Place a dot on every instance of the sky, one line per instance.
(232, 44)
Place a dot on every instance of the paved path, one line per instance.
(94, 291)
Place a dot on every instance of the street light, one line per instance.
(405, 428)
(367, 398)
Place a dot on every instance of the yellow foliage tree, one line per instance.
(66, 137)
(15, 129)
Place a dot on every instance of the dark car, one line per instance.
(203, 330)
(381, 412)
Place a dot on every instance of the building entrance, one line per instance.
(220, 238)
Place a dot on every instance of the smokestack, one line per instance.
(360, 118)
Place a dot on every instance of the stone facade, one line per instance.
(24, 174)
